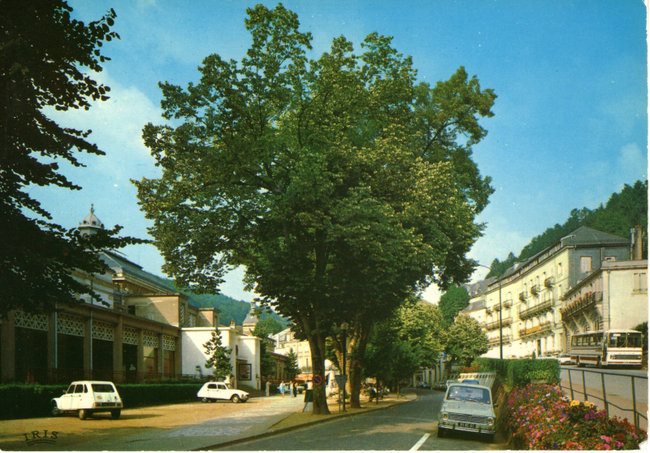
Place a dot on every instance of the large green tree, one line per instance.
(324, 178)
(466, 340)
(452, 301)
(45, 61)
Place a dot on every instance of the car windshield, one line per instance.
(102, 388)
(466, 393)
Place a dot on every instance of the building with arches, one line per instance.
(143, 328)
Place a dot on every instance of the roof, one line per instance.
(584, 236)
(581, 237)
(473, 306)
(120, 264)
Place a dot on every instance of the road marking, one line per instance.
(419, 443)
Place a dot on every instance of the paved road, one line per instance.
(401, 427)
(181, 427)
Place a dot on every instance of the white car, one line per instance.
(87, 397)
(212, 391)
(467, 407)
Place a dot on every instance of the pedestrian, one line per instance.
(282, 388)
(268, 388)
(294, 389)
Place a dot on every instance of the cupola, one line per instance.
(90, 224)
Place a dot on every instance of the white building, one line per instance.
(523, 313)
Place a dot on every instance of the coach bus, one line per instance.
(607, 348)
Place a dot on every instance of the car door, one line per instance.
(78, 400)
(65, 401)
(222, 392)
(211, 391)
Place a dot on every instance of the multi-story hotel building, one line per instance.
(526, 310)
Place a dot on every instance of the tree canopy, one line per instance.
(45, 60)
(453, 301)
(338, 184)
(466, 340)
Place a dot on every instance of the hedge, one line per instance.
(520, 372)
(26, 401)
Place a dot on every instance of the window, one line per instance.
(585, 264)
(640, 282)
(559, 269)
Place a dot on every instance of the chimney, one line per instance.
(637, 244)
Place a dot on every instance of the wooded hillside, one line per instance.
(623, 211)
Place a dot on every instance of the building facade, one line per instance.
(142, 328)
(523, 308)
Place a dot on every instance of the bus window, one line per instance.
(617, 340)
(634, 340)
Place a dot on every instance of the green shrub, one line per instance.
(24, 401)
(519, 372)
(27, 401)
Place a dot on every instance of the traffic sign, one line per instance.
(317, 379)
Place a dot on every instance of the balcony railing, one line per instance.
(496, 341)
(545, 306)
(535, 331)
(507, 303)
(495, 324)
(583, 303)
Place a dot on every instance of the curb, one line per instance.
(272, 432)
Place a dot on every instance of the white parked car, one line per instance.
(467, 407)
(88, 397)
(212, 391)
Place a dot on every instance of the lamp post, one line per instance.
(500, 315)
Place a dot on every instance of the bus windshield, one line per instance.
(624, 340)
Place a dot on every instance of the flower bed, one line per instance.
(540, 417)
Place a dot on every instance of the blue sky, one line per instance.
(570, 124)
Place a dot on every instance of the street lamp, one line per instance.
(500, 315)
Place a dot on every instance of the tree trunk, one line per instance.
(317, 345)
(355, 365)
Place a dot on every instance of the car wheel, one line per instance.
(205, 400)
(115, 413)
(83, 414)
(489, 438)
(235, 399)
(55, 409)
(441, 432)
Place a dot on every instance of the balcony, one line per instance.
(585, 302)
(540, 330)
(548, 282)
(523, 296)
(537, 309)
(495, 341)
(507, 303)
(495, 324)
(534, 290)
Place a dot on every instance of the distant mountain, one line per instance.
(623, 211)
(229, 308)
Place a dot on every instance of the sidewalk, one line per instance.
(179, 427)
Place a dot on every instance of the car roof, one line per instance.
(91, 382)
(465, 384)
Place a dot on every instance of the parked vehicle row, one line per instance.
(86, 398)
